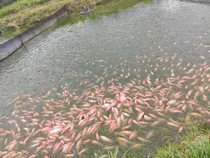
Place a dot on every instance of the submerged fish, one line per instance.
(123, 108)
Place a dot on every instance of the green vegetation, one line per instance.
(23, 14)
(195, 143)
(4, 3)
(101, 9)
(130, 153)
(115, 6)
(15, 7)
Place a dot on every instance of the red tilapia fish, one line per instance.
(123, 108)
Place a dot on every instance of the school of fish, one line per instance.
(125, 107)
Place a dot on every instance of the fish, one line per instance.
(173, 124)
(147, 118)
(69, 155)
(118, 122)
(195, 114)
(150, 134)
(56, 148)
(202, 57)
(201, 89)
(105, 139)
(96, 143)
(25, 141)
(133, 135)
(87, 141)
(122, 141)
(156, 123)
(78, 136)
(33, 156)
(78, 144)
(175, 111)
(73, 120)
(66, 147)
(82, 151)
(12, 145)
(55, 131)
(181, 129)
(140, 116)
(142, 139)
(172, 102)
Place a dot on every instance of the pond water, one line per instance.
(173, 30)
(42, 62)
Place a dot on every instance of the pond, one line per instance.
(151, 58)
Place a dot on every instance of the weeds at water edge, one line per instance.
(196, 144)
(129, 153)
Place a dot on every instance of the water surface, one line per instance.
(58, 56)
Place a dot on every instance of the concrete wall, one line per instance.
(9, 47)
(15, 43)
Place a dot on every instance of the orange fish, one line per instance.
(105, 139)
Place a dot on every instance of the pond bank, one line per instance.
(16, 21)
(15, 43)
(193, 144)
(10, 46)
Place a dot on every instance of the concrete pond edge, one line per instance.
(10, 46)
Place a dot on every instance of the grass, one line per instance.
(195, 143)
(15, 7)
(23, 14)
(25, 19)
(103, 8)
(129, 153)
(115, 6)
(20, 16)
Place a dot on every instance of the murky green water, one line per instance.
(179, 29)
(172, 26)
(175, 27)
